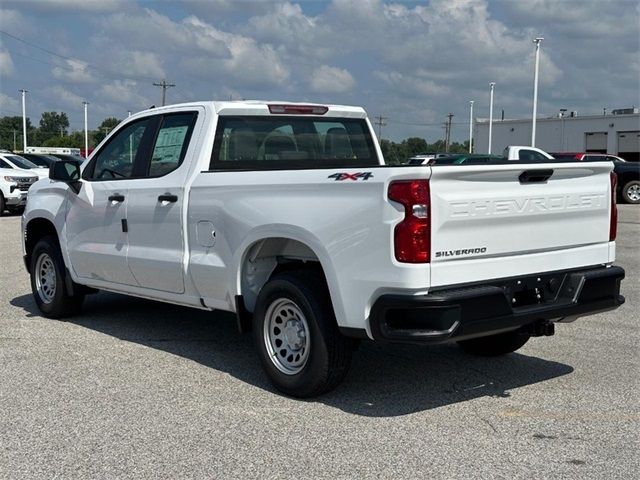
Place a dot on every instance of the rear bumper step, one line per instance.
(496, 306)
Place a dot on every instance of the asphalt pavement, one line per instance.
(137, 389)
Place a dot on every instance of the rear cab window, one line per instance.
(291, 142)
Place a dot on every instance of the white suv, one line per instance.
(13, 187)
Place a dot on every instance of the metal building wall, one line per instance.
(558, 134)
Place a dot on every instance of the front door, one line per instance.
(96, 223)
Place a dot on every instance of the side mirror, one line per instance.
(66, 171)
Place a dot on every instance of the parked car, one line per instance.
(41, 160)
(467, 159)
(72, 158)
(628, 172)
(423, 158)
(22, 164)
(286, 215)
(13, 187)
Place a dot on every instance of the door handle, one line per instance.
(167, 197)
(116, 198)
(535, 176)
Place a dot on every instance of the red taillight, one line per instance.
(412, 236)
(613, 225)
(298, 109)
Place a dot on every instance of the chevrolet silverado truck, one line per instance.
(286, 215)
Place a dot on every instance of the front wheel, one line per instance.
(631, 192)
(297, 337)
(494, 345)
(48, 285)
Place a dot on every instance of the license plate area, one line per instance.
(534, 290)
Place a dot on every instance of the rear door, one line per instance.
(496, 221)
(156, 203)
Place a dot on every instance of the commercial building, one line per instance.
(617, 133)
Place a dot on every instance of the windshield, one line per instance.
(21, 162)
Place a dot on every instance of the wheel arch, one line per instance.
(35, 230)
(267, 255)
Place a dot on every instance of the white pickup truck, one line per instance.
(286, 215)
(527, 154)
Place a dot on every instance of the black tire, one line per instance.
(61, 303)
(1, 204)
(630, 192)
(495, 345)
(16, 210)
(329, 352)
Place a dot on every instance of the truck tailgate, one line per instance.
(499, 221)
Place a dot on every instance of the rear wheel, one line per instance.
(494, 345)
(631, 192)
(48, 284)
(297, 337)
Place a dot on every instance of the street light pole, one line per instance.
(24, 120)
(492, 84)
(470, 126)
(537, 41)
(86, 131)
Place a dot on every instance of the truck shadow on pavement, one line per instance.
(384, 380)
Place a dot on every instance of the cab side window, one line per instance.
(4, 164)
(116, 159)
(171, 143)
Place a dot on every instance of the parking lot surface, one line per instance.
(137, 389)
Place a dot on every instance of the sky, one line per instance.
(411, 62)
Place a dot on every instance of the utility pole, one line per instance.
(447, 140)
(492, 84)
(61, 131)
(164, 86)
(24, 120)
(537, 41)
(86, 131)
(381, 122)
(471, 126)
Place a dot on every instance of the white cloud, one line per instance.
(72, 71)
(6, 64)
(328, 79)
(61, 97)
(249, 64)
(151, 31)
(9, 105)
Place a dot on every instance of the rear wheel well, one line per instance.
(35, 230)
(271, 256)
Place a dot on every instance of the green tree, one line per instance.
(9, 125)
(52, 124)
(105, 127)
(73, 140)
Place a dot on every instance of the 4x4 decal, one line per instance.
(338, 177)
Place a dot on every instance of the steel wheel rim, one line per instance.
(286, 336)
(45, 276)
(633, 192)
